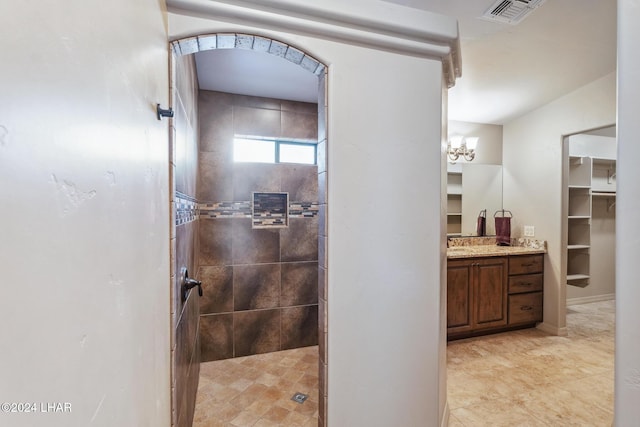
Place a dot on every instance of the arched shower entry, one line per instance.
(196, 209)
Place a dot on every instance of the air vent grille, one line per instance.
(511, 11)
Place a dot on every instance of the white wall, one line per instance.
(627, 388)
(84, 248)
(384, 302)
(532, 159)
(385, 238)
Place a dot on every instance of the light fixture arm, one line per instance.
(460, 146)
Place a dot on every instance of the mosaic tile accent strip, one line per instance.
(243, 210)
(303, 209)
(225, 210)
(186, 209)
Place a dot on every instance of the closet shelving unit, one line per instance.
(454, 201)
(588, 178)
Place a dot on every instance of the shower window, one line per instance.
(264, 150)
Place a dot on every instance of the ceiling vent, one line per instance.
(511, 11)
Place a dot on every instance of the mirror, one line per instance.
(471, 188)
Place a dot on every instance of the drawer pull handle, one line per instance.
(526, 308)
(526, 283)
(528, 265)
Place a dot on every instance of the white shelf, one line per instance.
(454, 213)
(603, 193)
(579, 187)
(580, 217)
(573, 277)
(572, 247)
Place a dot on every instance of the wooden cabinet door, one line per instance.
(490, 299)
(459, 296)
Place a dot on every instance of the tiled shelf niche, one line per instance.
(269, 210)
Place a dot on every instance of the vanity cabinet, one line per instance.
(493, 294)
(476, 294)
(525, 289)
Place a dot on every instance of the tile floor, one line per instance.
(524, 378)
(257, 390)
(529, 378)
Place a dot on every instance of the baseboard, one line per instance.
(445, 415)
(553, 330)
(586, 300)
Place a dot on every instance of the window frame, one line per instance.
(277, 142)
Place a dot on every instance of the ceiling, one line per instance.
(507, 70)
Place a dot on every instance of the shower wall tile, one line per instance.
(247, 283)
(183, 157)
(256, 332)
(299, 107)
(299, 284)
(300, 181)
(191, 160)
(216, 242)
(322, 188)
(297, 125)
(322, 109)
(322, 220)
(216, 337)
(185, 257)
(186, 334)
(217, 289)
(216, 122)
(180, 148)
(181, 364)
(256, 286)
(256, 102)
(322, 252)
(299, 327)
(215, 178)
(253, 246)
(321, 156)
(323, 339)
(299, 242)
(256, 121)
(251, 177)
(192, 391)
(322, 283)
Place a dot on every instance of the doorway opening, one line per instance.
(263, 288)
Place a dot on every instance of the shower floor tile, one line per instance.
(257, 390)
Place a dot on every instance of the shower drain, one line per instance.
(299, 397)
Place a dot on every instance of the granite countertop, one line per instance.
(486, 247)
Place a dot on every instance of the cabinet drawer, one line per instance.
(525, 308)
(526, 264)
(525, 283)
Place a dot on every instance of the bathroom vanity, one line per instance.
(493, 288)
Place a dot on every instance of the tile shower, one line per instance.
(201, 155)
(185, 344)
(260, 285)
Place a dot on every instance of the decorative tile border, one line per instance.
(303, 209)
(243, 210)
(225, 210)
(186, 209)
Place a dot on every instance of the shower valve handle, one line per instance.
(192, 283)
